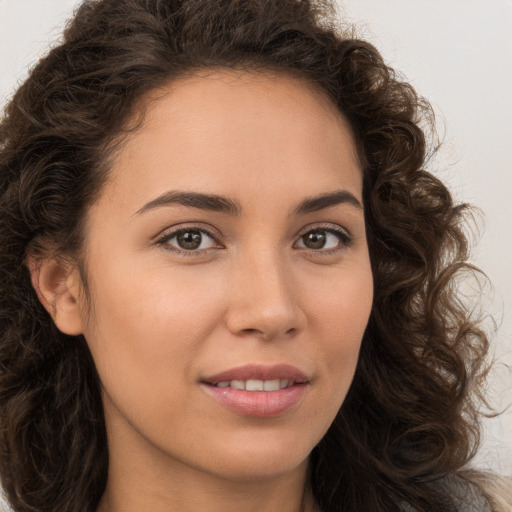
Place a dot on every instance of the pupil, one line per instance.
(314, 239)
(189, 240)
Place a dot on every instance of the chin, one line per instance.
(262, 468)
(244, 460)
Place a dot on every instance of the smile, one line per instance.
(257, 385)
(258, 391)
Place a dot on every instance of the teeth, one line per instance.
(271, 385)
(254, 385)
(257, 385)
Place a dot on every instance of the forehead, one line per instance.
(267, 90)
(226, 131)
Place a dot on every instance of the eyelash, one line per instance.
(163, 241)
(344, 237)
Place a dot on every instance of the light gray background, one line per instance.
(458, 54)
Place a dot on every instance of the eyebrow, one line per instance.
(222, 204)
(196, 200)
(316, 203)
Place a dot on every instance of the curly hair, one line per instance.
(411, 415)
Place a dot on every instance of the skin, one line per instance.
(161, 318)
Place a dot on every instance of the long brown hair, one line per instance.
(410, 417)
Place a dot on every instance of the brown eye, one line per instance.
(324, 239)
(314, 239)
(188, 240)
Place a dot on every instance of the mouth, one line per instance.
(256, 377)
(258, 391)
(256, 384)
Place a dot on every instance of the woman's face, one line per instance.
(228, 251)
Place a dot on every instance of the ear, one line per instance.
(57, 285)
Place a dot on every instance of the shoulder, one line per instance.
(460, 495)
(497, 488)
(477, 491)
(465, 495)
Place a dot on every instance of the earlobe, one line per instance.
(57, 286)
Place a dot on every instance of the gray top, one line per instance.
(466, 496)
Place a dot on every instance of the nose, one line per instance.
(264, 300)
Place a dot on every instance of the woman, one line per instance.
(227, 281)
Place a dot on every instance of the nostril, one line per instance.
(268, 335)
(266, 312)
(257, 333)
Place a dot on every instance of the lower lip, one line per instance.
(258, 404)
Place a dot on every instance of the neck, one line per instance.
(145, 478)
(142, 489)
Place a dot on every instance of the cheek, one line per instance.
(341, 314)
(149, 322)
(145, 335)
(153, 297)
(344, 302)
(337, 321)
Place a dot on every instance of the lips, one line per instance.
(256, 384)
(257, 390)
(259, 372)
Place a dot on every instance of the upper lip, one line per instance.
(259, 372)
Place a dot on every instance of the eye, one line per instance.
(188, 239)
(324, 239)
